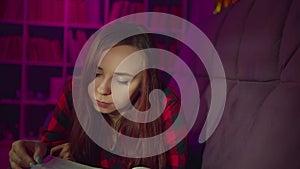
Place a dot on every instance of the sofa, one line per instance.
(258, 42)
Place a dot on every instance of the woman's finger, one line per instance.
(13, 157)
(40, 150)
(65, 153)
(20, 153)
(14, 160)
(55, 151)
(13, 165)
(61, 151)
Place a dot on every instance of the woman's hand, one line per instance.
(62, 151)
(26, 153)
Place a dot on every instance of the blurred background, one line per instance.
(257, 41)
(39, 44)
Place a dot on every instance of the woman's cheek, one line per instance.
(122, 95)
(119, 95)
(91, 90)
(91, 93)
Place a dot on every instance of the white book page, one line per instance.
(58, 163)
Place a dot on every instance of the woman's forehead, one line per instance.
(124, 58)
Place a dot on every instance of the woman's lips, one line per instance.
(103, 104)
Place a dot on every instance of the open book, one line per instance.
(58, 163)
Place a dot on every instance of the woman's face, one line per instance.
(100, 88)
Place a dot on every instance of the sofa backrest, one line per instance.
(259, 44)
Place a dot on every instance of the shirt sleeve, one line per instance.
(176, 156)
(59, 127)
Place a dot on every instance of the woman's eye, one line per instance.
(122, 81)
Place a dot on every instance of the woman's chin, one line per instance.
(103, 110)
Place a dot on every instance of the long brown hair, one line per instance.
(83, 148)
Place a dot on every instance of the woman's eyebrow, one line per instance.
(118, 73)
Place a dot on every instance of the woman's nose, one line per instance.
(104, 87)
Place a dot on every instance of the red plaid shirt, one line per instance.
(59, 129)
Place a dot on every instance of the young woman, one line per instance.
(67, 133)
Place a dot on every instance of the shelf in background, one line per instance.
(11, 62)
(45, 23)
(84, 26)
(10, 101)
(29, 102)
(42, 41)
(40, 102)
(14, 22)
(47, 64)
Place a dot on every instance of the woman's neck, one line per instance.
(114, 117)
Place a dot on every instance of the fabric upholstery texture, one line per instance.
(259, 44)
